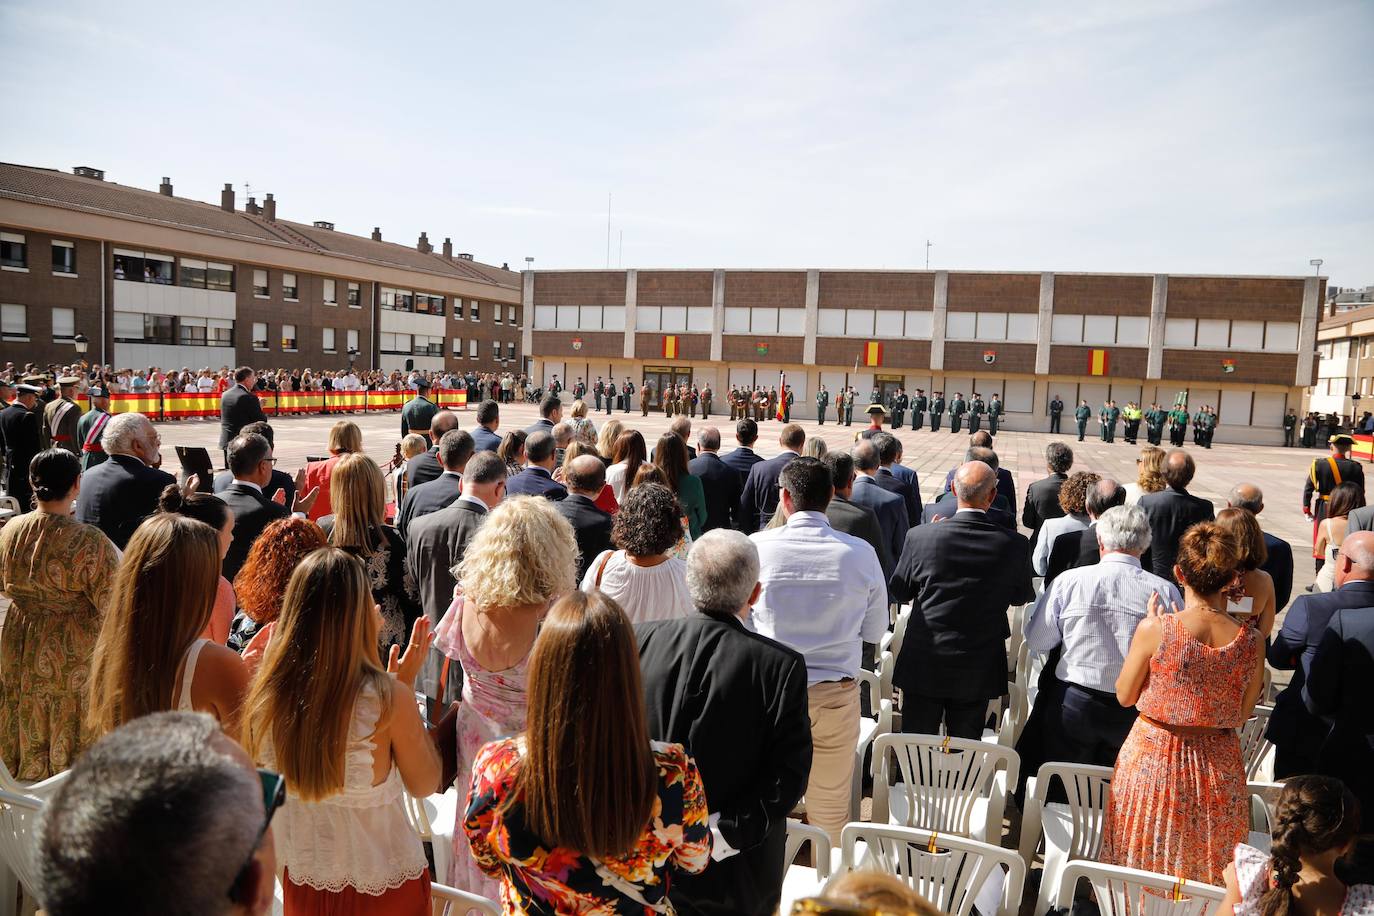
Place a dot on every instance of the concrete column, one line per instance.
(1307, 331)
(717, 316)
(527, 312)
(939, 314)
(1044, 325)
(1159, 300)
(631, 319)
(813, 298)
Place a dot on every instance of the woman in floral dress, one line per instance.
(58, 574)
(1178, 804)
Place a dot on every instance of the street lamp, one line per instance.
(529, 263)
(82, 343)
(1317, 263)
(352, 355)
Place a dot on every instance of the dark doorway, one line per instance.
(660, 377)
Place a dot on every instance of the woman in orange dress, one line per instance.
(1178, 804)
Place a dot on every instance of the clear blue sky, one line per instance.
(1145, 135)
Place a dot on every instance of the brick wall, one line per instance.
(876, 290)
(1235, 297)
(689, 346)
(1080, 294)
(967, 356)
(994, 292)
(766, 288)
(310, 316)
(40, 291)
(591, 287)
(742, 349)
(557, 345)
(897, 354)
(672, 287)
(485, 330)
(1122, 362)
(1205, 366)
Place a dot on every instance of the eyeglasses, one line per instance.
(273, 797)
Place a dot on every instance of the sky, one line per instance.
(1182, 136)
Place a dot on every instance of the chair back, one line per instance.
(941, 778)
(1254, 747)
(20, 804)
(798, 835)
(948, 871)
(1131, 892)
(462, 903)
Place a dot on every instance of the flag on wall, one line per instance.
(670, 346)
(873, 353)
(1097, 362)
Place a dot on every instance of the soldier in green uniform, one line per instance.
(937, 410)
(975, 413)
(706, 402)
(788, 399)
(919, 404)
(847, 403)
(994, 413)
(1211, 426)
(874, 395)
(1113, 417)
(822, 402)
(1178, 425)
(90, 427)
(1081, 414)
(1199, 424)
(419, 411)
(899, 406)
(957, 408)
(60, 417)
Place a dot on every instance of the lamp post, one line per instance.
(352, 355)
(82, 343)
(1317, 263)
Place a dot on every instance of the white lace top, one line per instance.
(1252, 876)
(358, 838)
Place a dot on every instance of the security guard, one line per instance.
(90, 427)
(822, 402)
(957, 408)
(918, 409)
(937, 410)
(1081, 414)
(419, 411)
(994, 413)
(1326, 474)
(847, 402)
(1133, 416)
(975, 413)
(20, 435)
(60, 417)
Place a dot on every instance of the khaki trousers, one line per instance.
(834, 708)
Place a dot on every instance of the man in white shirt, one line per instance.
(824, 596)
(1087, 619)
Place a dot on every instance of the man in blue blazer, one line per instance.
(537, 477)
(1278, 561)
(1298, 734)
(119, 493)
(760, 498)
(484, 437)
(889, 448)
(720, 483)
(888, 507)
(455, 448)
(1338, 690)
(743, 458)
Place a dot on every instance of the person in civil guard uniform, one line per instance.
(788, 399)
(900, 402)
(1102, 422)
(822, 402)
(579, 390)
(1199, 425)
(1056, 413)
(1081, 414)
(975, 413)
(937, 410)
(957, 408)
(846, 406)
(419, 410)
(60, 417)
(1113, 417)
(90, 427)
(598, 389)
(1210, 425)
(994, 413)
(1154, 421)
(1290, 425)
(627, 391)
(20, 435)
(706, 402)
(1323, 476)
(1178, 425)
(1132, 414)
(919, 403)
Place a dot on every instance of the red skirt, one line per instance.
(410, 899)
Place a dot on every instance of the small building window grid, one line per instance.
(196, 274)
(352, 338)
(354, 296)
(327, 340)
(63, 325)
(290, 290)
(329, 291)
(14, 322)
(260, 287)
(143, 266)
(14, 251)
(496, 350)
(472, 348)
(510, 350)
(63, 258)
(511, 315)
(475, 310)
(288, 338)
(458, 347)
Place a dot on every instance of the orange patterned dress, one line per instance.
(1178, 804)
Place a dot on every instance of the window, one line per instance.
(458, 309)
(887, 323)
(63, 325)
(352, 338)
(698, 318)
(1066, 329)
(613, 318)
(1281, 336)
(192, 332)
(219, 277)
(13, 252)
(920, 324)
(458, 347)
(331, 296)
(288, 338)
(1180, 332)
(14, 322)
(472, 348)
(1214, 333)
(992, 325)
(355, 296)
(510, 350)
(327, 340)
(142, 266)
(289, 289)
(474, 311)
(1247, 335)
(259, 335)
(496, 313)
(510, 315)
(830, 322)
(63, 258)
(1023, 326)
(192, 273)
(1133, 330)
(426, 304)
(260, 284)
(859, 322)
(496, 350)
(589, 318)
(221, 333)
(395, 344)
(427, 346)
(128, 327)
(158, 329)
(961, 326)
(398, 300)
(1099, 329)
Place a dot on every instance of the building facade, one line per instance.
(1242, 344)
(151, 279)
(1344, 383)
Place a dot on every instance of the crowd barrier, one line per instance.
(276, 404)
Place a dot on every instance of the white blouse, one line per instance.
(615, 476)
(645, 592)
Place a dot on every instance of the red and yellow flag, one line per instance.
(1097, 362)
(670, 346)
(873, 353)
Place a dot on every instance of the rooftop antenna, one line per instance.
(620, 255)
(928, 247)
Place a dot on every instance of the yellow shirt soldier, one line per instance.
(60, 417)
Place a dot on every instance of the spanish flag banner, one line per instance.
(1363, 448)
(873, 353)
(670, 346)
(1097, 362)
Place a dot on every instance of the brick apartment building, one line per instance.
(152, 279)
(1244, 344)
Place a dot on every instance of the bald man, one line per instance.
(585, 478)
(425, 466)
(962, 573)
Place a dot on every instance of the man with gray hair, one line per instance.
(739, 701)
(164, 815)
(118, 494)
(1092, 613)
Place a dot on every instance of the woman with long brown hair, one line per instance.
(1149, 474)
(670, 456)
(149, 656)
(346, 734)
(626, 457)
(1254, 594)
(1331, 531)
(582, 811)
(203, 507)
(512, 451)
(261, 583)
(359, 526)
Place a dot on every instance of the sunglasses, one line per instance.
(273, 797)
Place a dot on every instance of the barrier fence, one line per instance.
(276, 403)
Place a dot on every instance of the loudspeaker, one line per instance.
(410, 365)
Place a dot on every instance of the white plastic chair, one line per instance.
(1070, 830)
(870, 727)
(949, 871)
(461, 903)
(433, 818)
(1125, 891)
(1256, 750)
(1018, 635)
(806, 880)
(1264, 799)
(950, 785)
(1011, 713)
(20, 804)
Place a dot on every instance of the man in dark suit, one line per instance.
(1000, 511)
(961, 575)
(888, 508)
(1079, 548)
(682, 428)
(550, 415)
(250, 460)
(22, 438)
(889, 449)
(851, 518)
(1297, 733)
(1278, 561)
(738, 702)
(118, 494)
(239, 406)
(425, 466)
(759, 499)
(484, 437)
(586, 477)
(1006, 484)
(455, 448)
(743, 458)
(720, 483)
(1172, 511)
(1042, 497)
(1337, 689)
(436, 545)
(281, 481)
(537, 477)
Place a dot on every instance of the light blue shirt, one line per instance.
(823, 594)
(1093, 611)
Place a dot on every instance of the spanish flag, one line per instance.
(670, 346)
(873, 353)
(1097, 362)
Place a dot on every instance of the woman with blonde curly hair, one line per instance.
(1149, 476)
(522, 558)
(584, 430)
(1073, 499)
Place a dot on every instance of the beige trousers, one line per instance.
(834, 708)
